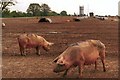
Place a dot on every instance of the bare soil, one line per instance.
(62, 33)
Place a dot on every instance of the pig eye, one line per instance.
(48, 45)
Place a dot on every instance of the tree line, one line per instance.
(34, 9)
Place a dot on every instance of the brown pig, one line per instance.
(83, 53)
(33, 41)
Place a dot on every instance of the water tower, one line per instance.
(81, 8)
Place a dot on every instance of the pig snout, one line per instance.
(46, 49)
(59, 68)
(54, 70)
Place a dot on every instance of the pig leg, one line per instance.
(102, 55)
(95, 65)
(38, 51)
(22, 51)
(65, 73)
(103, 62)
(80, 67)
(22, 47)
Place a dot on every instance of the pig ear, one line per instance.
(55, 60)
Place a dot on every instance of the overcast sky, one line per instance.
(99, 7)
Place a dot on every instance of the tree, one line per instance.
(18, 14)
(63, 13)
(5, 3)
(14, 14)
(34, 9)
(53, 13)
(45, 9)
(6, 13)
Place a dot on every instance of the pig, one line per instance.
(3, 25)
(33, 41)
(81, 54)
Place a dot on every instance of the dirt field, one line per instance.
(62, 33)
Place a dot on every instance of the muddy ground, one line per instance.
(62, 33)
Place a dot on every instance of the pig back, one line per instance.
(35, 39)
(30, 40)
(90, 52)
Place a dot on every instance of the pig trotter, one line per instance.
(38, 51)
(65, 73)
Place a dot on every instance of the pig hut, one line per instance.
(45, 20)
